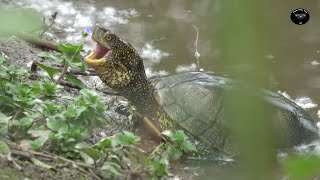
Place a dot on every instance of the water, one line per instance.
(162, 33)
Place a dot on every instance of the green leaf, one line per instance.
(82, 145)
(50, 88)
(37, 162)
(176, 154)
(4, 149)
(143, 159)
(51, 108)
(302, 166)
(132, 158)
(38, 143)
(7, 105)
(73, 80)
(87, 159)
(57, 124)
(93, 153)
(77, 63)
(188, 146)
(159, 168)
(50, 70)
(73, 112)
(89, 96)
(6, 101)
(2, 59)
(70, 140)
(25, 122)
(112, 167)
(127, 138)
(70, 50)
(4, 120)
(3, 72)
(179, 137)
(103, 144)
(50, 56)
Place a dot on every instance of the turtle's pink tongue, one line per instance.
(100, 52)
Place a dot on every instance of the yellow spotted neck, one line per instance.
(142, 97)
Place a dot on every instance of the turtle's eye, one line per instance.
(108, 37)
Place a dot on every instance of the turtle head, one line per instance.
(116, 62)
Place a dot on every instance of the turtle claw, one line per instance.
(165, 138)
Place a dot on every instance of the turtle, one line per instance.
(191, 101)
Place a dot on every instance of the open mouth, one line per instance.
(99, 53)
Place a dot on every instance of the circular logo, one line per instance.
(300, 16)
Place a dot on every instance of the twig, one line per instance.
(16, 165)
(46, 28)
(196, 53)
(155, 150)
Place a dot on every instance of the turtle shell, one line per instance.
(194, 100)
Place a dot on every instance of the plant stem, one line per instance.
(63, 72)
(156, 149)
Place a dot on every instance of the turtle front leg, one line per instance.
(154, 130)
(150, 125)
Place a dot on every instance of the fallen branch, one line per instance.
(38, 41)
